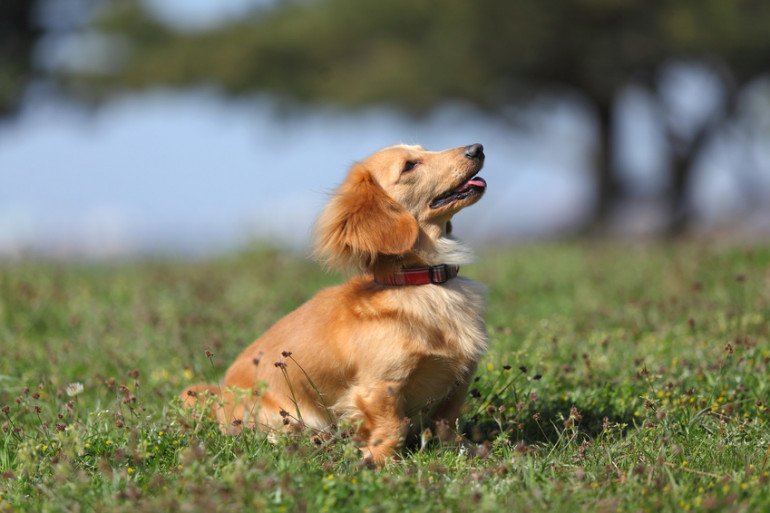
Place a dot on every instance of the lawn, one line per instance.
(619, 378)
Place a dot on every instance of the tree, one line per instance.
(18, 34)
(418, 54)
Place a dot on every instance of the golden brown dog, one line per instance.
(396, 345)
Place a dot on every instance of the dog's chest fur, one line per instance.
(444, 321)
(445, 336)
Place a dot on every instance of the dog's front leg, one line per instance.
(383, 426)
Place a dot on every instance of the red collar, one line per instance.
(421, 275)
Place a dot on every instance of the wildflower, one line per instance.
(286, 354)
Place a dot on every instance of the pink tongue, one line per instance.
(477, 181)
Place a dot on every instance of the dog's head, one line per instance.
(396, 204)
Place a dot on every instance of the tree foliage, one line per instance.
(421, 53)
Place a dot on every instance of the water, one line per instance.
(195, 173)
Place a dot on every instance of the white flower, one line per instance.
(73, 389)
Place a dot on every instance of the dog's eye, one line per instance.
(410, 164)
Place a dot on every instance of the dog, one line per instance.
(394, 348)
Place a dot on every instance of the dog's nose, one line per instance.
(474, 151)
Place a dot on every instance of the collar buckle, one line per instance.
(438, 274)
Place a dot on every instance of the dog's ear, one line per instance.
(361, 222)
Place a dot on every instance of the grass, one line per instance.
(619, 378)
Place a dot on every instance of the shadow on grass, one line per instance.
(545, 422)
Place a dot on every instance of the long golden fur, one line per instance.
(383, 357)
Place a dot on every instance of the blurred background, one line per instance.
(194, 127)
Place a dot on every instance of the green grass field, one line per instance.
(619, 378)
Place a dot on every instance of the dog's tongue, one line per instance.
(476, 181)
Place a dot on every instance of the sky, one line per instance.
(193, 15)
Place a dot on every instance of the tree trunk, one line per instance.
(683, 159)
(682, 162)
(607, 187)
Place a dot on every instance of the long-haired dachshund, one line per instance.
(397, 345)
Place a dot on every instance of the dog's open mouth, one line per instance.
(475, 185)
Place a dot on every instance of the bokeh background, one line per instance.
(194, 127)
